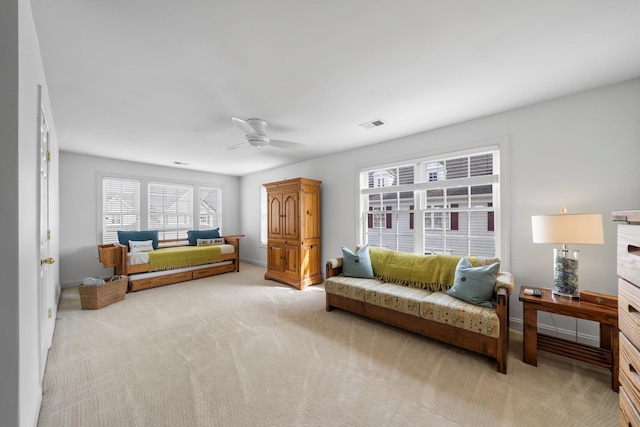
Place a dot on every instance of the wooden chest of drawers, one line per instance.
(629, 315)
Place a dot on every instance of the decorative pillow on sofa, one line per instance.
(210, 242)
(140, 246)
(194, 235)
(474, 284)
(138, 236)
(357, 264)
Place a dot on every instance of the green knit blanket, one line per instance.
(183, 256)
(432, 272)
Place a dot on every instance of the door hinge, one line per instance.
(49, 313)
(48, 156)
(48, 234)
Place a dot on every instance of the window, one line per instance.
(168, 207)
(170, 210)
(209, 204)
(263, 216)
(120, 207)
(443, 204)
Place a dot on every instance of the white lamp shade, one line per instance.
(575, 229)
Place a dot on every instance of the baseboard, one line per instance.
(568, 334)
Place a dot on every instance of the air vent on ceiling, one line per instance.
(372, 124)
(181, 163)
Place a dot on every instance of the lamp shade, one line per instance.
(575, 229)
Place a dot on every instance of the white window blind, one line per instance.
(209, 207)
(120, 207)
(170, 209)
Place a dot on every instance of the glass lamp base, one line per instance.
(565, 273)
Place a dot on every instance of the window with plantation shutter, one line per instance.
(264, 232)
(136, 203)
(120, 207)
(443, 204)
(209, 205)
(170, 209)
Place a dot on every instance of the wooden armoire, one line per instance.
(293, 241)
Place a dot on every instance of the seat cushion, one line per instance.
(443, 308)
(397, 297)
(350, 287)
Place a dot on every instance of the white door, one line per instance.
(45, 282)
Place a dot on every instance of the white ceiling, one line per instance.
(158, 81)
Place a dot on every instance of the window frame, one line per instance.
(501, 207)
(144, 182)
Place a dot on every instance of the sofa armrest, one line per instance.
(334, 267)
(505, 280)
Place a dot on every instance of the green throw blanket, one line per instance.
(432, 272)
(183, 256)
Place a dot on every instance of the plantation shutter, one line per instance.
(170, 210)
(120, 207)
(209, 208)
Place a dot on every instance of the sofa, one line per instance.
(462, 301)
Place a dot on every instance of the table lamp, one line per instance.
(574, 229)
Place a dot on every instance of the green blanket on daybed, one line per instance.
(432, 272)
(183, 256)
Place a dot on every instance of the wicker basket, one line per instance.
(95, 297)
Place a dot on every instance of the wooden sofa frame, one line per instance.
(496, 348)
(115, 255)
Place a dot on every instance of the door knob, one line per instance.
(47, 261)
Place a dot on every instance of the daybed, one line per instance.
(415, 292)
(169, 261)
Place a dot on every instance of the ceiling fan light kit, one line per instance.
(256, 135)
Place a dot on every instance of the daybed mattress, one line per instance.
(137, 258)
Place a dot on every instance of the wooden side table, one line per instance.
(605, 356)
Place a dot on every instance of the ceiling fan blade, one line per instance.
(236, 146)
(287, 145)
(243, 126)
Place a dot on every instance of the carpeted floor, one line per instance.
(236, 350)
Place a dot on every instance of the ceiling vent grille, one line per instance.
(372, 124)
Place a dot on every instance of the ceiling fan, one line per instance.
(256, 135)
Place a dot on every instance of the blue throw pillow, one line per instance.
(358, 264)
(475, 284)
(125, 236)
(194, 235)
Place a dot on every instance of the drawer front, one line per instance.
(628, 414)
(629, 253)
(630, 370)
(152, 282)
(629, 311)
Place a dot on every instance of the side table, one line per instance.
(605, 356)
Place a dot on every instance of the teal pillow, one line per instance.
(194, 235)
(125, 236)
(358, 264)
(475, 284)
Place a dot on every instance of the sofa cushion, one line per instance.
(475, 284)
(350, 287)
(125, 236)
(140, 246)
(443, 308)
(357, 264)
(398, 298)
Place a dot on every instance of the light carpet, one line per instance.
(238, 350)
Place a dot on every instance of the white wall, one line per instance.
(580, 152)
(80, 194)
(21, 75)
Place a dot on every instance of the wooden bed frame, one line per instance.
(115, 255)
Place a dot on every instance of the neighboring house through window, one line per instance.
(442, 204)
